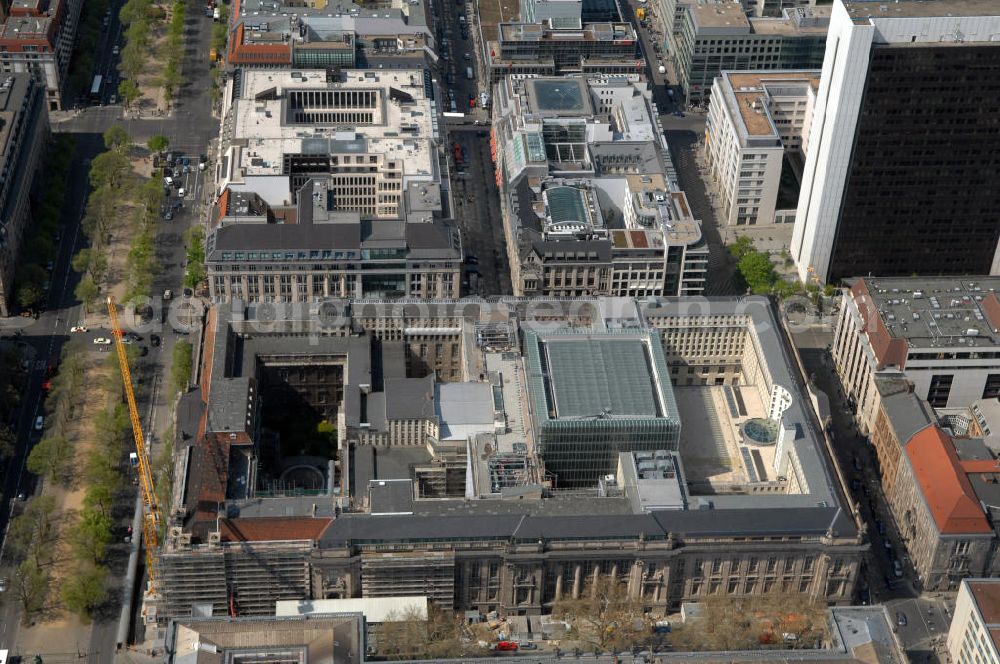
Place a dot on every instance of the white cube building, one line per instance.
(754, 117)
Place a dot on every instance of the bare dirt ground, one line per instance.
(151, 101)
(56, 630)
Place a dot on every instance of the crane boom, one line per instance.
(151, 513)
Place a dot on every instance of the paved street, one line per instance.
(475, 196)
(926, 616)
(190, 128)
(684, 131)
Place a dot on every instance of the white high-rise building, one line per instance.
(901, 175)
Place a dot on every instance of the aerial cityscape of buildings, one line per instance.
(626, 329)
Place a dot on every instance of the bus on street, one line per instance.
(95, 89)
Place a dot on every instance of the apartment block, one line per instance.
(588, 193)
(974, 634)
(670, 13)
(756, 120)
(285, 33)
(24, 134)
(371, 135)
(719, 36)
(914, 169)
(37, 38)
(937, 333)
(545, 49)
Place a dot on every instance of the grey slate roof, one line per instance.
(285, 237)
(359, 528)
(409, 398)
(907, 415)
(433, 239)
(390, 496)
(234, 364)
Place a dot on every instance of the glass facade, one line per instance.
(579, 448)
(921, 195)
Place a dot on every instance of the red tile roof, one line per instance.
(208, 351)
(980, 466)
(263, 529)
(991, 306)
(889, 350)
(943, 482)
(223, 206)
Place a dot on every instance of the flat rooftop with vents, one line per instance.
(933, 312)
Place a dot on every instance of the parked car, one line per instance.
(897, 569)
(900, 618)
(102, 341)
(78, 328)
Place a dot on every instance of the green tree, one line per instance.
(158, 143)
(195, 273)
(142, 266)
(87, 292)
(758, 271)
(741, 248)
(109, 169)
(100, 498)
(129, 91)
(133, 10)
(91, 535)
(7, 442)
(49, 458)
(151, 196)
(31, 532)
(94, 263)
(181, 366)
(97, 221)
(85, 590)
(133, 59)
(29, 294)
(32, 583)
(116, 138)
(29, 279)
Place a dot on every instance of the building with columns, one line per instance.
(742, 500)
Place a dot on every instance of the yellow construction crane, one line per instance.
(151, 513)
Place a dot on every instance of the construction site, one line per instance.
(437, 478)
